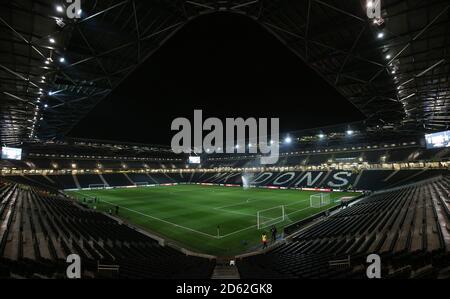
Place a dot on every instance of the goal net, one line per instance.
(268, 217)
(97, 186)
(319, 200)
(141, 183)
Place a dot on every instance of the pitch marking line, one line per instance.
(174, 224)
(162, 220)
(253, 199)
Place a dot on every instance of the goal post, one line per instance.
(271, 216)
(319, 200)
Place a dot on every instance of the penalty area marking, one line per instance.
(162, 220)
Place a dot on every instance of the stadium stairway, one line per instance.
(225, 271)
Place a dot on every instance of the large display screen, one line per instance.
(194, 159)
(10, 153)
(437, 140)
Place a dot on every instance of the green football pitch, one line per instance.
(208, 219)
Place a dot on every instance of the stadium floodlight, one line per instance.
(388, 56)
(62, 59)
(237, 146)
(349, 132)
(60, 22)
(321, 136)
(59, 8)
(51, 40)
(369, 4)
(380, 35)
(46, 105)
(271, 141)
(287, 140)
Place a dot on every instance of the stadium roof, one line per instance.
(54, 70)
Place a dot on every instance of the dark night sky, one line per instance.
(226, 65)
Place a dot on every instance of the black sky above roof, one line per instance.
(228, 66)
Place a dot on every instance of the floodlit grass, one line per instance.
(190, 214)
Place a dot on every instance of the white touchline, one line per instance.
(298, 211)
(238, 231)
(162, 220)
(245, 202)
(294, 203)
(234, 212)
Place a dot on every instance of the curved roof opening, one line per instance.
(227, 65)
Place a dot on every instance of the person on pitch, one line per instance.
(264, 240)
(273, 230)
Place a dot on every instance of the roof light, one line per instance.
(388, 56)
(51, 40)
(59, 8)
(287, 140)
(380, 35)
(62, 59)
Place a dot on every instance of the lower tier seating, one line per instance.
(409, 227)
(38, 231)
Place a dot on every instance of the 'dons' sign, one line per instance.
(332, 179)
